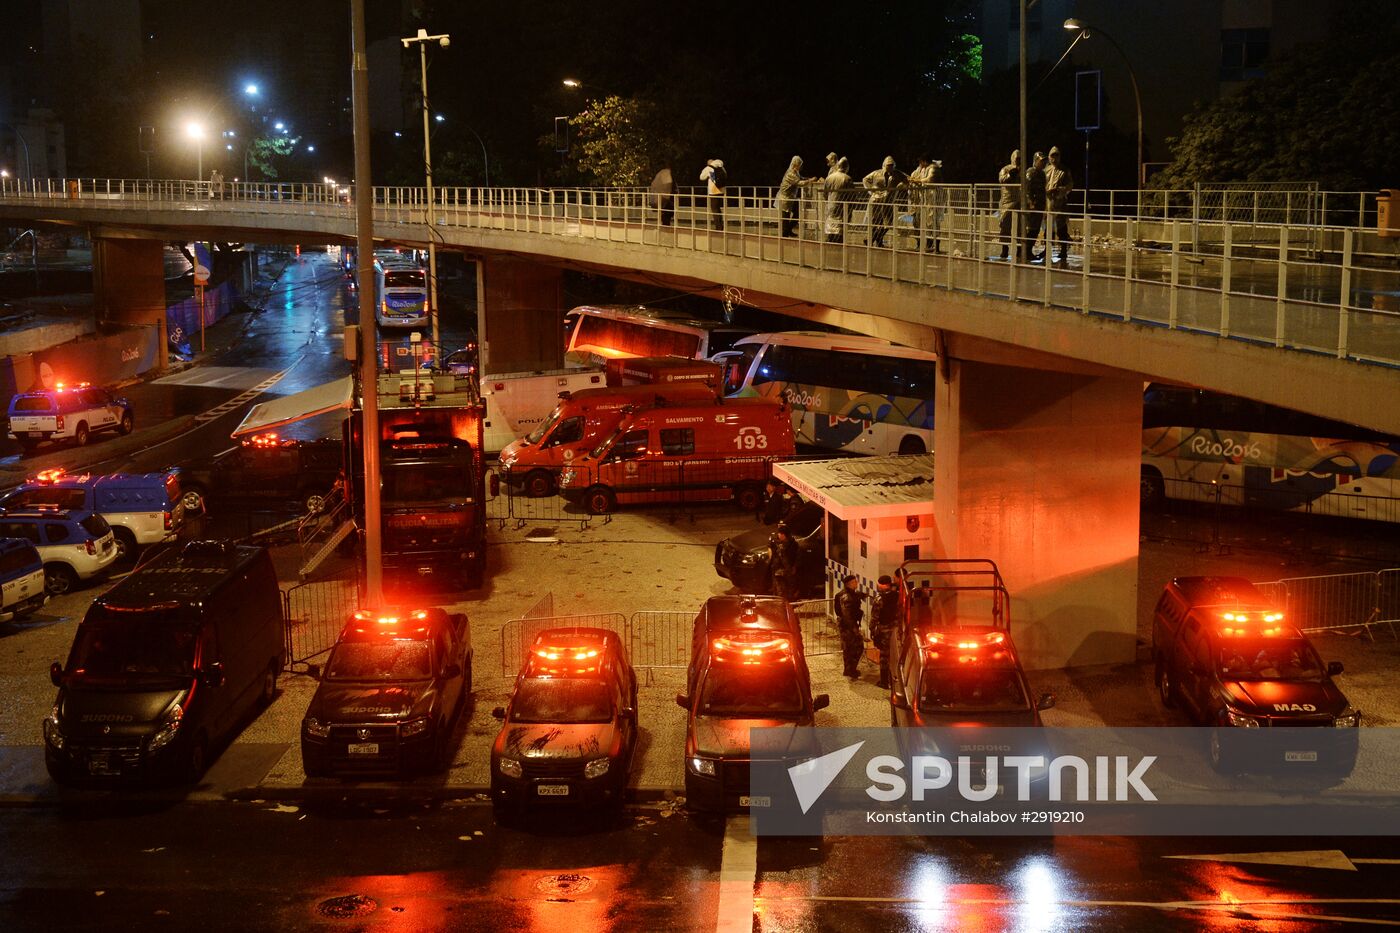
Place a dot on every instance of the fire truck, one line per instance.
(433, 485)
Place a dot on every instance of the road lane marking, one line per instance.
(242, 398)
(738, 872)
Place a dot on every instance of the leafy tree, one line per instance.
(263, 151)
(621, 141)
(1329, 112)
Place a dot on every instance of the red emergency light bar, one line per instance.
(50, 476)
(1230, 632)
(566, 654)
(269, 439)
(964, 642)
(63, 387)
(751, 647)
(1238, 616)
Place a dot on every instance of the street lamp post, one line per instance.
(422, 40)
(1084, 33)
(28, 167)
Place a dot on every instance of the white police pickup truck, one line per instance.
(67, 413)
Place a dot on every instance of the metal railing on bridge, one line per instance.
(1287, 267)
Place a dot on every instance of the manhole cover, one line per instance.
(565, 885)
(347, 906)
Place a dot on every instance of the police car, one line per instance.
(390, 695)
(142, 508)
(747, 670)
(263, 467)
(74, 546)
(67, 413)
(1230, 659)
(21, 579)
(570, 731)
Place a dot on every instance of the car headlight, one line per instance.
(596, 768)
(1348, 720)
(705, 766)
(509, 767)
(167, 731)
(749, 557)
(1240, 720)
(52, 733)
(315, 727)
(413, 727)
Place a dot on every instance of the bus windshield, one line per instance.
(403, 278)
(621, 338)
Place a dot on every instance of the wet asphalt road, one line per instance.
(408, 866)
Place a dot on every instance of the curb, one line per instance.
(381, 792)
(81, 458)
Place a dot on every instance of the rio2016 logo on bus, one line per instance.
(1226, 447)
(750, 438)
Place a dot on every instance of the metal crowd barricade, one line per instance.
(660, 639)
(1352, 603)
(513, 501)
(517, 635)
(820, 634)
(313, 615)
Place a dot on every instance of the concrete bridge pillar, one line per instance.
(1038, 471)
(128, 284)
(520, 315)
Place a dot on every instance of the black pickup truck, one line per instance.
(264, 469)
(390, 694)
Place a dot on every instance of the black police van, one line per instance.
(390, 695)
(166, 665)
(747, 670)
(570, 731)
(1229, 658)
(955, 661)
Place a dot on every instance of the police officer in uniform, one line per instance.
(848, 615)
(784, 562)
(884, 620)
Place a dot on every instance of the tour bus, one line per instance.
(578, 422)
(706, 452)
(598, 333)
(847, 392)
(400, 294)
(1202, 446)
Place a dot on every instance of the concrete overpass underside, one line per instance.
(1038, 426)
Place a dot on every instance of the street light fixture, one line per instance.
(1084, 30)
(421, 40)
(195, 131)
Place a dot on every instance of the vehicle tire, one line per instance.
(127, 548)
(268, 692)
(126, 425)
(80, 435)
(1153, 489)
(466, 682)
(912, 445)
(195, 760)
(749, 496)
(1220, 758)
(61, 773)
(599, 500)
(311, 501)
(59, 579)
(1166, 687)
(192, 498)
(539, 483)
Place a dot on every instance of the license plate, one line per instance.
(36, 433)
(1300, 756)
(552, 790)
(102, 764)
(755, 801)
(364, 748)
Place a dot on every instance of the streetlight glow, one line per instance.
(250, 89)
(1073, 24)
(438, 117)
(279, 125)
(572, 82)
(194, 129)
(310, 148)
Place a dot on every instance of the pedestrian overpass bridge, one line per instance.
(1038, 411)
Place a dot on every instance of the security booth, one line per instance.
(878, 512)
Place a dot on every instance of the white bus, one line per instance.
(859, 394)
(598, 333)
(400, 294)
(1219, 448)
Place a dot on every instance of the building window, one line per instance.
(1243, 53)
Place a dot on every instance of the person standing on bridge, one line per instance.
(663, 196)
(1035, 207)
(924, 179)
(1010, 180)
(714, 176)
(790, 196)
(882, 185)
(831, 160)
(1058, 185)
(837, 188)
